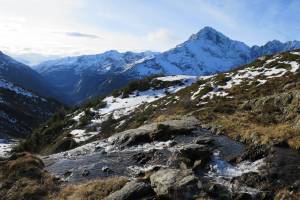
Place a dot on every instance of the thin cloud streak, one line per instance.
(82, 35)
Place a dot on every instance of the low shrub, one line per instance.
(221, 79)
(205, 90)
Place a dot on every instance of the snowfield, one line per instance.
(118, 107)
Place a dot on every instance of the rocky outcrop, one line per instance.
(154, 131)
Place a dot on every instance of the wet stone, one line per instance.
(85, 172)
(106, 170)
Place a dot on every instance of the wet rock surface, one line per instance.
(179, 160)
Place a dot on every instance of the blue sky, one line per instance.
(72, 27)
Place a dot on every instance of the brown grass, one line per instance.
(91, 190)
(24, 178)
(287, 195)
(240, 125)
(162, 118)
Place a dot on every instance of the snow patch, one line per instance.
(6, 146)
(296, 53)
(175, 78)
(7, 85)
(80, 135)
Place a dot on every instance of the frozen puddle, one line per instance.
(223, 172)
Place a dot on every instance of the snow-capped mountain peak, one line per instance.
(208, 33)
(205, 52)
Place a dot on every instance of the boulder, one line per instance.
(132, 190)
(155, 131)
(175, 184)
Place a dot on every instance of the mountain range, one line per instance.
(206, 52)
(73, 80)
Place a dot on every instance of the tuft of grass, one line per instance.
(240, 125)
(285, 194)
(91, 190)
(24, 178)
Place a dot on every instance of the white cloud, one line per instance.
(164, 37)
(51, 27)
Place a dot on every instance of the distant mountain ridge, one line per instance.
(206, 52)
(82, 77)
(22, 75)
